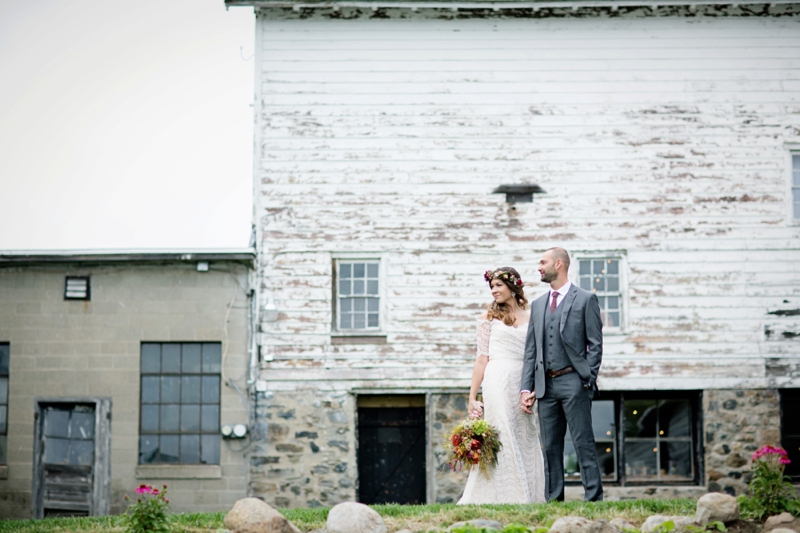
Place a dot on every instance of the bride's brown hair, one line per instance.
(513, 281)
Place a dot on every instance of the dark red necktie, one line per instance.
(553, 302)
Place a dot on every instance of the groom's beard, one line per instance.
(548, 277)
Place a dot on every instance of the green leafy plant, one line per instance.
(149, 513)
(711, 526)
(771, 492)
(665, 527)
(516, 527)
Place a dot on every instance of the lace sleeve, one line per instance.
(484, 332)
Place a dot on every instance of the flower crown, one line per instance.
(504, 275)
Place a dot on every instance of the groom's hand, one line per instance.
(526, 401)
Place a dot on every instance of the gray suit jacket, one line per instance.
(581, 332)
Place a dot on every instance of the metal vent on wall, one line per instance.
(77, 288)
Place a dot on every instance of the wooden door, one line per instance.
(391, 455)
(71, 471)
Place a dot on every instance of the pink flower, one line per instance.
(154, 492)
(784, 461)
(144, 489)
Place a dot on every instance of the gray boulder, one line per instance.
(782, 518)
(251, 515)
(352, 517)
(783, 530)
(622, 524)
(479, 523)
(716, 507)
(578, 524)
(681, 522)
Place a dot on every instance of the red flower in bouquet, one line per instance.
(473, 442)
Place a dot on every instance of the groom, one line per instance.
(562, 356)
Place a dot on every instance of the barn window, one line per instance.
(358, 301)
(4, 360)
(602, 277)
(179, 406)
(659, 437)
(643, 437)
(790, 429)
(796, 185)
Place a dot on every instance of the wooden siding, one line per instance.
(662, 139)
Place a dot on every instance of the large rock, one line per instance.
(352, 517)
(783, 530)
(716, 507)
(622, 524)
(681, 522)
(782, 518)
(578, 524)
(251, 515)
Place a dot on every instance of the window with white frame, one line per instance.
(796, 185)
(358, 301)
(602, 277)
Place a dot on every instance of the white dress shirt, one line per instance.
(562, 292)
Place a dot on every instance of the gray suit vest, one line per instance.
(555, 356)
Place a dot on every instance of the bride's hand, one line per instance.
(475, 409)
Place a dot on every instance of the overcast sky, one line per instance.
(125, 124)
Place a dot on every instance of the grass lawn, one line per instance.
(413, 517)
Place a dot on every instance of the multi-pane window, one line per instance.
(179, 417)
(4, 360)
(642, 438)
(601, 276)
(605, 437)
(796, 186)
(790, 430)
(658, 439)
(358, 297)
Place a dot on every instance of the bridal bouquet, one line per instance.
(473, 442)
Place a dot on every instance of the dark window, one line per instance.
(4, 360)
(180, 391)
(601, 276)
(77, 288)
(358, 296)
(790, 430)
(605, 437)
(643, 437)
(658, 437)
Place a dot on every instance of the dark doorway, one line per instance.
(71, 475)
(391, 449)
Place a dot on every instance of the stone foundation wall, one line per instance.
(735, 424)
(305, 454)
(444, 412)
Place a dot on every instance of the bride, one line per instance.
(519, 474)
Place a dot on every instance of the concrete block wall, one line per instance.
(92, 349)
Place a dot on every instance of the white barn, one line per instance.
(665, 136)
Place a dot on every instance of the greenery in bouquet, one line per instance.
(473, 442)
(771, 492)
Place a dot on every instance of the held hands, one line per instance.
(526, 401)
(475, 409)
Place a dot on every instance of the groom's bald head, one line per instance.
(560, 253)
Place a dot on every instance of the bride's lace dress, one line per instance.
(519, 474)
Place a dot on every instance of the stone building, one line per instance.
(117, 369)
(659, 140)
